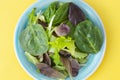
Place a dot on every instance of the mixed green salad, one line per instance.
(59, 40)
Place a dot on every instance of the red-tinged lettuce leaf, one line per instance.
(75, 66)
(50, 72)
(44, 24)
(64, 53)
(46, 59)
(76, 15)
(62, 30)
(67, 65)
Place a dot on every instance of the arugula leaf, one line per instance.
(88, 38)
(32, 17)
(58, 9)
(50, 11)
(31, 58)
(61, 14)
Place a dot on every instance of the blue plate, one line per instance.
(94, 60)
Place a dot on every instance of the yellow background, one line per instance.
(10, 11)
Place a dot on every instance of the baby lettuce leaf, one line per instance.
(50, 11)
(88, 38)
(46, 59)
(75, 66)
(62, 30)
(31, 58)
(67, 65)
(61, 14)
(61, 43)
(79, 55)
(64, 53)
(76, 15)
(34, 40)
(83, 60)
(50, 72)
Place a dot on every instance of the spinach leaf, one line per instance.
(50, 11)
(76, 15)
(34, 40)
(61, 14)
(88, 38)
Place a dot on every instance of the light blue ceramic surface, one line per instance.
(94, 60)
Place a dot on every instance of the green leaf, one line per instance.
(79, 55)
(50, 11)
(32, 17)
(61, 43)
(61, 14)
(31, 58)
(34, 40)
(83, 60)
(72, 29)
(88, 38)
(49, 28)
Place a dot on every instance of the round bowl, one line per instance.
(94, 59)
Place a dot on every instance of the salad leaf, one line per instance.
(50, 11)
(83, 60)
(64, 53)
(31, 58)
(67, 65)
(42, 23)
(32, 17)
(79, 55)
(34, 40)
(50, 72)
(88, 38)
(49, 28)
(61, 14)
(75, 66)
(46, 59)
(61, 43)
(62, 30)
(72, 29)
(76, 15)
(40, 16)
